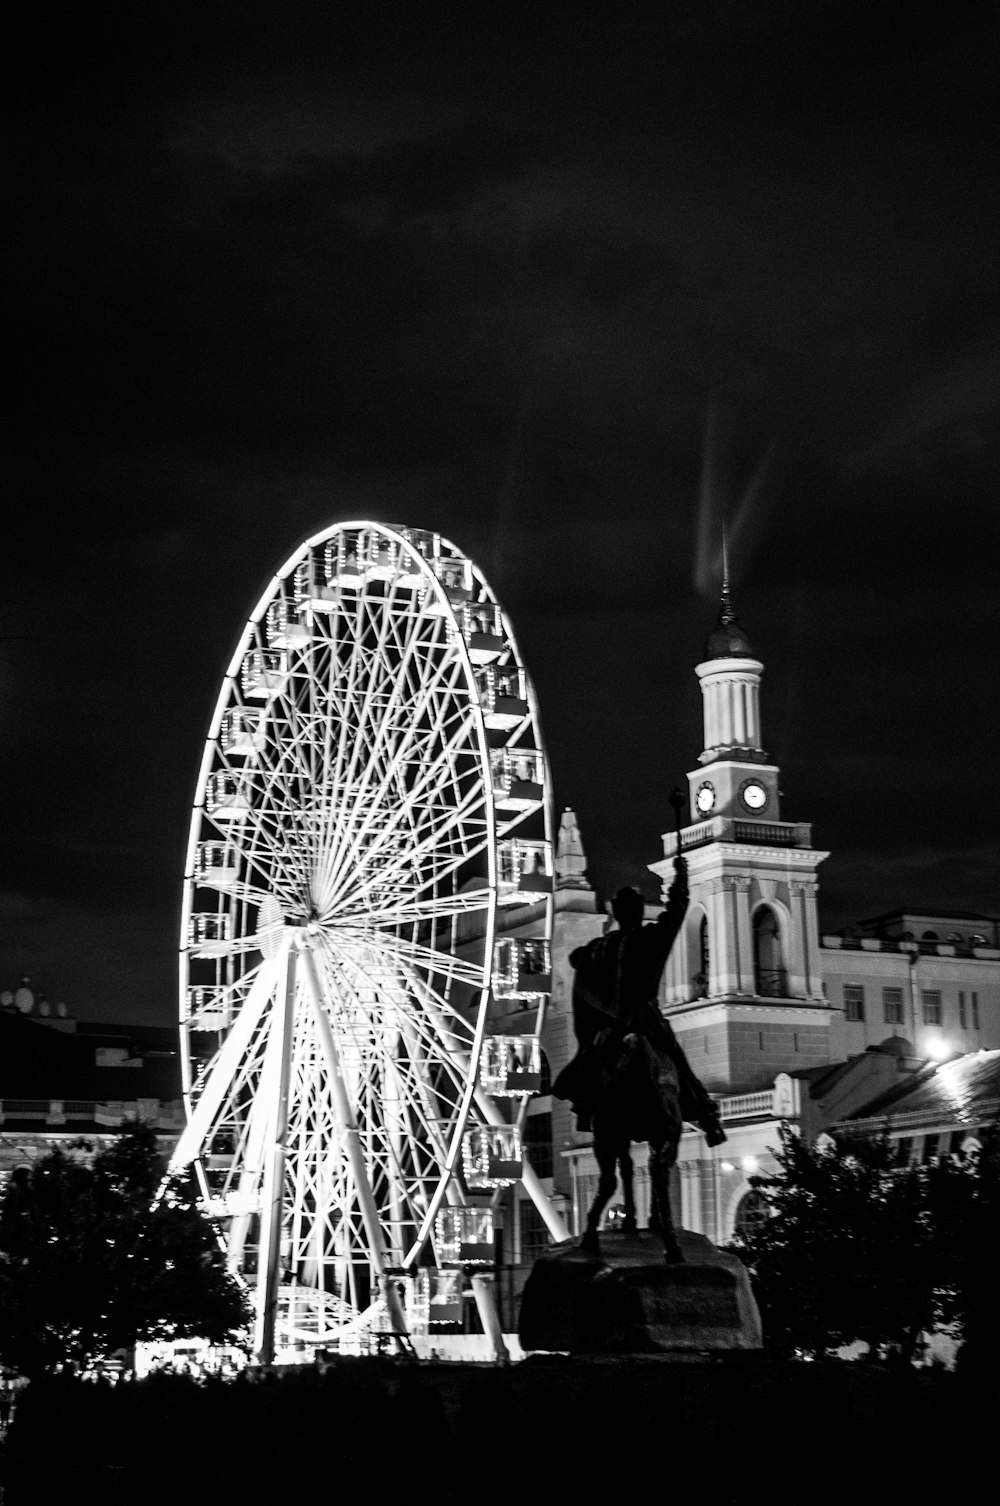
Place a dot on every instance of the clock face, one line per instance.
(754, 795)
(705, 798)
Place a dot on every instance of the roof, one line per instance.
(965, 1090)
(145, 1040)
(727, 640)
(823, 1078)
(37, 1062)
(929, 915)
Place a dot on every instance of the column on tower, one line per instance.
(806, 931)
(744, 934)
(731, 703)
(677, 974)
(725, 961)
(796, 948)
(739, 713)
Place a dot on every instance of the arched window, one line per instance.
(769, 971)
(751, 1211)
(703, 974)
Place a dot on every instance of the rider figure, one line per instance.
(630, 1079)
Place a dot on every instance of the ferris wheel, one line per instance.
(373, 801)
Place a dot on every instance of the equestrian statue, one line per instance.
(630, 1080)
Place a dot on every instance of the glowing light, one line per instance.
(937, 1047)
(750, 1163)
(727, 1166)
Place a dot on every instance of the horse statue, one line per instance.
(630, 1080)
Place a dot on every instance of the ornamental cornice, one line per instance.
(717, 860)
(930, 1119)
(718, 1011)
(783, 857)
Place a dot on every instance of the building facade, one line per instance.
(69, 1085)
(780, 1021)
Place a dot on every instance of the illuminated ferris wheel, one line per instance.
(372, 797)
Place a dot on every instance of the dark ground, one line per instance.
(745, 1427)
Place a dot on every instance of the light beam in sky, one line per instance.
(742, 523)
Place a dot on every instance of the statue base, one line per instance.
(628, 1300)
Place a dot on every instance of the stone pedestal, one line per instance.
(630, 1301)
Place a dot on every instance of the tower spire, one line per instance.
(571, 861)
(727, 640)
(726, 613)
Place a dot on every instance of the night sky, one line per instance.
(568, 283)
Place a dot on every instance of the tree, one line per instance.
(859, 1248)
(980, 1253)
(91, 1261)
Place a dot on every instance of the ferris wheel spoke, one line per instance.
(416, 1147)
(397, 910)
(224, 1068)
(373, 685)
(410, 748)
(402, 952)
(355, 665)
(445, 1030)
(461, 833)
(368, 799)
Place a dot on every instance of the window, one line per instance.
(534, 1234)
(892, 1006)
(854, 1001)
(769, 973)
(932, 1006)
(704, 961)
(538, 1143)
(975, 1011)
(904, 1146)
(751, 1211)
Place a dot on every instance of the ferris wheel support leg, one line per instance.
(484, 1293)
(273, 1199)
(529, 1179)
(352, 1144)
(198, 1126)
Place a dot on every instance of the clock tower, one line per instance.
(744, 990)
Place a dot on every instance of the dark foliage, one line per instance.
(860, 1248)
(91, 1262)
(454, 1433)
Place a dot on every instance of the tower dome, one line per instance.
(727, 640)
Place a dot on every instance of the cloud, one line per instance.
(953, 414)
